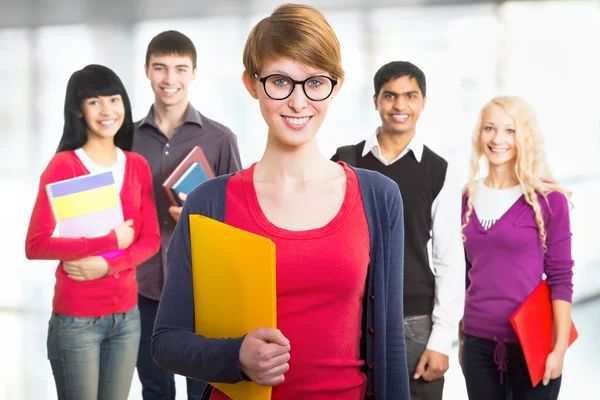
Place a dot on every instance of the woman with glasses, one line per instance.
(338, 232)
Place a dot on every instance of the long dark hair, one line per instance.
(93, 81)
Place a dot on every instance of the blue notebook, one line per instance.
(192, 177)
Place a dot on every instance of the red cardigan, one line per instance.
(117, 292)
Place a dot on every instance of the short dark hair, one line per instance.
(398, 69)
(93, 81)
(171, 42)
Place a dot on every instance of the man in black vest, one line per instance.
(433, 292)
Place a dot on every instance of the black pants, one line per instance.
(483, 378)
(157, 384)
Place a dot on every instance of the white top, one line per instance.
(447, 252)
(491, 204)
(117, 169)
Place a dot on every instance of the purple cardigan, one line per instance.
(506, 262)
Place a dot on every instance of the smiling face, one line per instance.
(399, 104)
(293, 121)
(103, 115)
(497, 136)
(170, 77)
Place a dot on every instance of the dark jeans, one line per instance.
(157, 384)
(417, 330)
(483, 377)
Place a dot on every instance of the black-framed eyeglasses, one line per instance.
(280, 87)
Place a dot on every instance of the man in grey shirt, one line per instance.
(164, 137)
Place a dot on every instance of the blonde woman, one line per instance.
(516, 228)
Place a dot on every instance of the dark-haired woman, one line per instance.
(94, 330)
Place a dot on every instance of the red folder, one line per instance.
(533, 324)
(195, 155)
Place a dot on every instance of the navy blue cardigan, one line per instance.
(176, 348)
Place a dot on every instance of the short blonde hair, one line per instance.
(531, 165)
(298, 32)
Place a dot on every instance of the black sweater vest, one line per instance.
(420, 183)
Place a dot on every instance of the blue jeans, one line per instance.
(93, 357)
(482, 376)
(158, 384)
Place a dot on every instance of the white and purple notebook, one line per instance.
(86, 206)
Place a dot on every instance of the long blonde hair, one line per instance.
(531, 166)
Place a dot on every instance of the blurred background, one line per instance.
(470, 51)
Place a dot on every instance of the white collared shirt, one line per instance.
(372, 146)
(447, 251)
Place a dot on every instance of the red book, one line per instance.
(195, 155)
(533, 324)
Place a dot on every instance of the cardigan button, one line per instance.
(370, 394)
(372, 298)
(370, 367)
(371, 331)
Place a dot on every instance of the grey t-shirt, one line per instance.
(220, 147)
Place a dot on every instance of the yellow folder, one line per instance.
(233, 273)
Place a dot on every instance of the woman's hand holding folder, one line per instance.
(125, 234)
(96, 267)
(86, 269)
(554, 365)
(264, 356)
